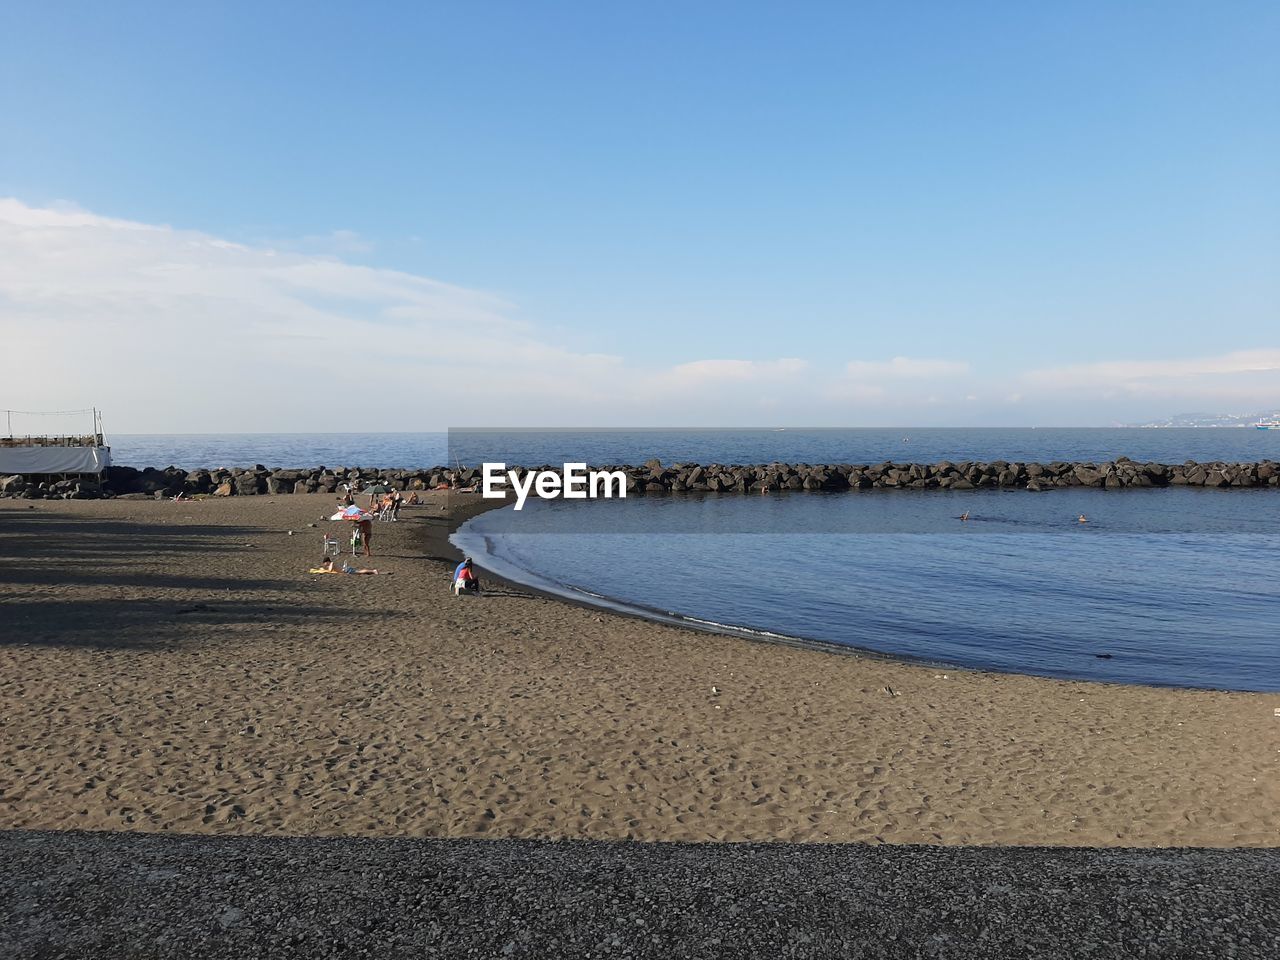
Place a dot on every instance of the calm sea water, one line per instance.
(1173, 587)
(533, 447)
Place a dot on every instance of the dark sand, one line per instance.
(172, 667)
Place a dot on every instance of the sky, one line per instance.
(305, 217)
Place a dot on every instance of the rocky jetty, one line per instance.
(654, 478)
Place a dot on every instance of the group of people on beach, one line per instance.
(464, 580)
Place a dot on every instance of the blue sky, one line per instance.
(845, 214)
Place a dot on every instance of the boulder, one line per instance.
(247, 484)
(1088, 476)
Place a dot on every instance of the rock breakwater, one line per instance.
(654, 478)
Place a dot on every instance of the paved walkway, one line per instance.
(123, 896)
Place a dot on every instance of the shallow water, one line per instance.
(1162, 586)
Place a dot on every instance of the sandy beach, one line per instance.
(173, 667)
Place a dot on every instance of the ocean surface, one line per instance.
(1175, 587)
(535, 447)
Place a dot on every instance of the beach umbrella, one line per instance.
(377, 488)
(352, 513)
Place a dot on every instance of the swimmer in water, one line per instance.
(963, 516)
(1082, 519)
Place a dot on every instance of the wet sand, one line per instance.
(173, 667)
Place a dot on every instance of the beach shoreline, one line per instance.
(171, 667)
(438, 545)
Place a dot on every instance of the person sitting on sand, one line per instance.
(326, 566)
(465, 579)
(413, 500)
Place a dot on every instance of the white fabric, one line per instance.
(54, 459)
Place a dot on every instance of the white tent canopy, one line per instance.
(54, 459)
(53, 442)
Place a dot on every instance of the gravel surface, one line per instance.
(123, 896)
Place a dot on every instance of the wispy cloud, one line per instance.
(896, 382)
(338, 243)
(180, 330)
(737, 371)
(905, 368)
(1144, 375)
(1242, 381)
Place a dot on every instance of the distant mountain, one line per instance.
(1211, 420)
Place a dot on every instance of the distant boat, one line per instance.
(1268, 424)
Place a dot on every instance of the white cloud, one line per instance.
(905, 368)
(336, 243)
(1243, 381)
(1197, 374)
(179, 331)
(881, 383)
(737, 371)
(176, 330)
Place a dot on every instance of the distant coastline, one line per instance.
(1193, 421)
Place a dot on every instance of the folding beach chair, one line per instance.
(331, 546)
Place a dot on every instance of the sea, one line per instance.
(1171, 587)
(763, 445)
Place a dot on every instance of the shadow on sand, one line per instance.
(147, 608)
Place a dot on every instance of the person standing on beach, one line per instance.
(365, 528)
